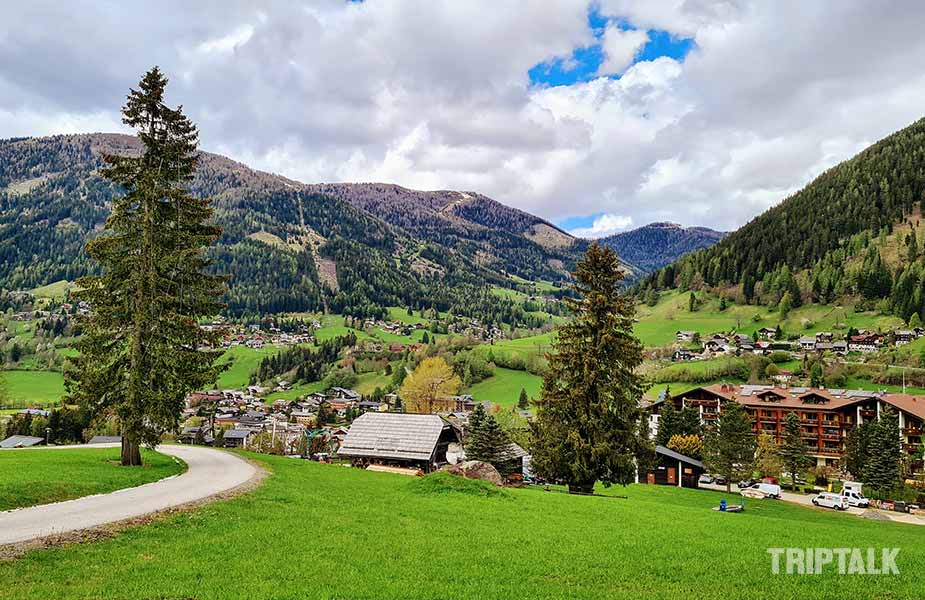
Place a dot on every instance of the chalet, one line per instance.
(682, 355)
(782, 377)
(901, 337)
(824, 336)
(807, 343)
(865, 342)
(398, 439)
(768, 333)
(826, 415)
(840, 347)
(674, 468)
(685, 336)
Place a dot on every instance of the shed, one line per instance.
(236, 438)
(399, 439)
(674, 468)
(21, 441)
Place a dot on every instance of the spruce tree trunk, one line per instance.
(131, 451)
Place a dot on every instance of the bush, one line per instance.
(441, 483)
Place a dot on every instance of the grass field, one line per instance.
(504, 387)
(424, 539)
(30, 477)
(244, 361)
(56, 290)
(34, 387)
(658, 324)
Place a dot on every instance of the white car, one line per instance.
(762, 490)
(830, 500)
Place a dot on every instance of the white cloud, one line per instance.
(603, 226)
(620, 47)
(437, 95)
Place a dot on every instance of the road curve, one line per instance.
(209, 472)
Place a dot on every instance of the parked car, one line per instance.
(762, 490)
(855, 499)
(705, 478)
(831, 500)
(746, 483)
(851, 490)
(720, 480)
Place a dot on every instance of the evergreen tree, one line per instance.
(729, 448)
(857, 450)
(767, 457)
(882, 470)
(692, 302)
(485, 439)
(668, 423)
(915, 321)
(523, 402)
(816, 375)
(689, 421)
(587, 427)
(793, 450)
(141, 350)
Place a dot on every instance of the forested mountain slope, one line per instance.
(659, 244)
(288, 246)
(837, 236)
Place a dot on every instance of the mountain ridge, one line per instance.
(658, 244)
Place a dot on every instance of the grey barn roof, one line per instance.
(21, 441)
(237, 434)
(393, 435)
(678, 456)
(105, 439)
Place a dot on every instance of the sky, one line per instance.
(600, 116)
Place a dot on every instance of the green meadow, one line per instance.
(40, 476)
(335, 532)
(657, 325)
(27, 388)
(503, 388)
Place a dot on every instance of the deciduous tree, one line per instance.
(793, 450)
(429, 388)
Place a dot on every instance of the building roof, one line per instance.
(237, 434)
(393, 435)
(105, 439)
(794, 397)
(678, 456)
(21, 441)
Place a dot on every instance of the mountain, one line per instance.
(288, 246)
(656, 245)
(854, 230)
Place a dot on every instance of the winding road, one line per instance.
(209, 472)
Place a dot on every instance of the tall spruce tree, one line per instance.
(142, 349)
(729, 447)
(793, 452)
(857, 451)
(884, 452)
(587, 425)
(668, 423)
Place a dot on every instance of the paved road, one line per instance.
(209, 472)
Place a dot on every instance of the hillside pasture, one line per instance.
(658, 542)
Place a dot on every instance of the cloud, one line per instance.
(603, 226)
(438, 94)
(620, 47)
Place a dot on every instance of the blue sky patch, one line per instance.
(584, 62)
(577, 222)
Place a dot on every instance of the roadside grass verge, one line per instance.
(36, 476)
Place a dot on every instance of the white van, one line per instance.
(762, 490)
(830, 500)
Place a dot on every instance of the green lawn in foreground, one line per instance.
(376, 535)
(40, 476)
(504, 387)
(34, 387)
